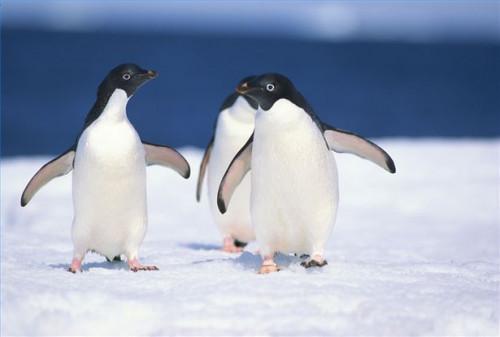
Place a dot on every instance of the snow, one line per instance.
(416, 253)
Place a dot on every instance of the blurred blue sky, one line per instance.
(379, 68)
(328, 20)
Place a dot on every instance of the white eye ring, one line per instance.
(126, 76)
(270, 87)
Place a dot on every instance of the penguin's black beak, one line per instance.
(150, 74)
(243, 88)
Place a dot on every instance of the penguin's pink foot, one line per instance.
(268, 266)
(76, 266)
(135, 266)
(229, 246)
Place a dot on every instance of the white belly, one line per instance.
(109, 190)
(294, 187)
(230, 136)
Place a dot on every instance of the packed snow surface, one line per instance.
(415, 253)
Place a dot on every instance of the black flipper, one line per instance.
(203, 168)
(347, 142)
(61, 165)
(239, 167)
(168, 157)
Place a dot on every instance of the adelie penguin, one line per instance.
(235, 123)
(294, 187)
(109, 163)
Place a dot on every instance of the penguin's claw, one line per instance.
(136, 266)
(313, 263)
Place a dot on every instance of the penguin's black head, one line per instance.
(128, 77)
(267, 89)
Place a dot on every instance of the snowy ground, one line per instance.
(416, 253)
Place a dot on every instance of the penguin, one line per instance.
(235, 123)
(109, 160)
(294, 182)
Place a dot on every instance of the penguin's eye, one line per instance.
(270, 87)
(126, 76)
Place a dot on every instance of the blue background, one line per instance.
(375, 88)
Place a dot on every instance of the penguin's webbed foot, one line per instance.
(313, 263)
(136, 266)
(230, 246)
(76, 266)
(268, 265)
(268, 269)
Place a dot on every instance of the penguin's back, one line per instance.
(231, 134)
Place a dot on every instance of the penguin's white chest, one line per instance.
(294, 182)
(109, 184)
(234, 126)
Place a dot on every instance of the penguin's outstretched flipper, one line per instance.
(239, 167)
(57, 167)
(347, 142)
(203, 168)
(168, 157)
